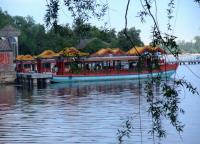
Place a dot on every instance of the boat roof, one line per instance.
(108, 58)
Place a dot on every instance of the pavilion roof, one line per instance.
(142, 50)
(48, 54)
(5, 46)
(8, 31)
(109, 51)
(25, 57)
(72, 51)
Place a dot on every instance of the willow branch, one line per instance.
(125, 29)
(156, 26)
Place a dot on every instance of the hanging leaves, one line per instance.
(79, 9)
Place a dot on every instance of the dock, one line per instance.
(34, 78)
(189, 62)
(185, 59)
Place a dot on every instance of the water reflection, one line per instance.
(103, 87)
(7, 96)
(87, 112)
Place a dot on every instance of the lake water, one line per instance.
(91, 112)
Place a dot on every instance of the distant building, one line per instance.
(10, 34)
(8, 52)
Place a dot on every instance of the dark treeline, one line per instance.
(190, 47)
(35, 38)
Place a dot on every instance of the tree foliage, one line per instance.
(190, 47)
(80, 10)
(35, 38)
(133, 34)
(5, 18)
(165, 106)
(94, 45)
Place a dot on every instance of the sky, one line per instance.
(186, 21)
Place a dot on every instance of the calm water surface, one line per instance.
(90, 112)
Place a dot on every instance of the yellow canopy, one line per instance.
(25, 57)
(103, 51)
(48, 54)
(136, 51)
(19, 57)
(142, 50)
(72, 52)
(107, 51)
(118, 51)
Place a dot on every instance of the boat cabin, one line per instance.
(45, 65)
(46, 61)
(25, 64)
(95, 64)
(105, 61)
(71, 61)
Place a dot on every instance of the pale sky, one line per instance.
(186, 22)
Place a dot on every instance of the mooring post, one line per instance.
(35, 81)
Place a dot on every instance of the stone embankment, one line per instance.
(7, 77)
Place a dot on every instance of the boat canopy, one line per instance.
(143, 50)
(48, 54)
(72, 52)
(103, 54)
(108, 52)
(25, 58)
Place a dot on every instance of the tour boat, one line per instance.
(71, 65)
(95, 68)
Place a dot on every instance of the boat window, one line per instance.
(19, 65)
(125, 65)
(66, 64)
(47, 65)
(87, 67)
(27, 65)
(97, 66)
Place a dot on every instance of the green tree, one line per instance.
(134, 35)
(190, 47)
(5, 19)
(32, 37)
(157, 108)
(94, 45)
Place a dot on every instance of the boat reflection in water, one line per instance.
(89, 112)
(81, 112)
(103, 87)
